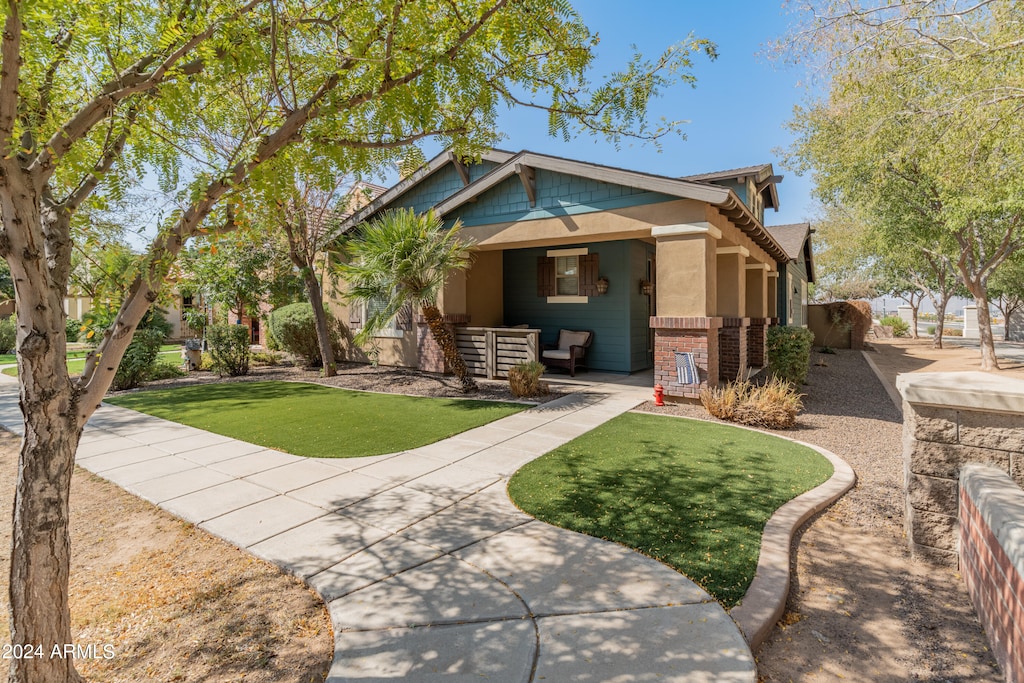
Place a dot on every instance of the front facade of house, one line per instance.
(651, 264)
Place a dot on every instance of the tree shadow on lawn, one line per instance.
(703, 519)
(256, 394)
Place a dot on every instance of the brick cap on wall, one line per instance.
(966, 390)
(735, 322)
(687, 323)
(449, 318)
(1001, 504)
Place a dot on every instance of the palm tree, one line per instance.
(404, 259)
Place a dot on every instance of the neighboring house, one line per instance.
(796, 273)
(686, 264)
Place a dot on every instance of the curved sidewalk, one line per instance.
(428, 570)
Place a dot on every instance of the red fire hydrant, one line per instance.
(659, 395)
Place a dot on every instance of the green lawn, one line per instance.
(314, 420)
(76, 363)
(694, 495)
(8, 358)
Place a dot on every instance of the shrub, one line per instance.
(140, 356)
(293, 327)
(524, 379)
(206, 362)
(264, 358)
(952, 332)
(8, 334)
(72, 328)
(229, 349)
(773, 405)
(900, 327)
(164, 371)
(789, 352)
(931, 330)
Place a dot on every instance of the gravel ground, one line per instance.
(860, 608)
(363, 377)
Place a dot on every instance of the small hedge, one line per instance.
(229, 349)
(293, 327)
(789, 352)
(8, 335)
(900, 327)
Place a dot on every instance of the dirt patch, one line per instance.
(895, 356)
(859, 607)
(175, 603)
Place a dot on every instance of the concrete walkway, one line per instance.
(428, 570)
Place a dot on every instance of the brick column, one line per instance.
(695, 335)
(757, 339)
(429, 355)
(732, 349)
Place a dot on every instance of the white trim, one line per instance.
(702, 228)
(578, 251)
(568, 299)
(743, 251)
(758, 266)
(773, 273)
(390, 334)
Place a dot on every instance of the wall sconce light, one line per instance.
(646, 287)
(602, 285)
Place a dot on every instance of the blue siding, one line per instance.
(557, 195)
(442, 184)
(608, 316)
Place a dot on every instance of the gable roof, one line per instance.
(764, 179)
(428, 169)
(720, 196)
(795, 238)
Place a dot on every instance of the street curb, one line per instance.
(765, 600)
(894, 395)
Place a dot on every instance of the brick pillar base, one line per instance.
(698, 336)
(757, 337)
(429, 355)
(732, 352)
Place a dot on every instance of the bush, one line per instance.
(72, 328)
(140, 356)
(900, 327)
(931, 330)
(773, 405)
(293, 327)
(8, 334)
(264, 358)
(952, 332)
(164, 371)
(229, 349)
(524, 379)
(789, 352)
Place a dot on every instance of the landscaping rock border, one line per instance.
(765, 600)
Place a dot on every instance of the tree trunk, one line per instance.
(323, 334)
(443, 336)
(940, 321)
(989, 361)
(913, 323)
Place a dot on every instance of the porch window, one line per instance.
(567, 281)
(360, 312)
(567, 276)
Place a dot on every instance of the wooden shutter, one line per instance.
(588, 274)
(545, 276)
(403, 321)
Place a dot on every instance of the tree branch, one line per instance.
(10, 61)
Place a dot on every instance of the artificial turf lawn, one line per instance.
(692, 494)
(76, 361)
(314, 420)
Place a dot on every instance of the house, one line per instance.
(652, 264)
(796, 273)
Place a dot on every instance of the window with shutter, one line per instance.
(567, 276)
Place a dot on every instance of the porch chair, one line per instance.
(569, 352)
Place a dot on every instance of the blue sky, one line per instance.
(737, 111)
